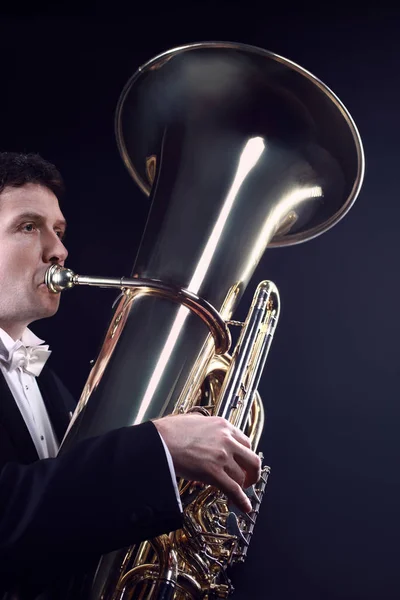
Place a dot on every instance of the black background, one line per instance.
(329, 523)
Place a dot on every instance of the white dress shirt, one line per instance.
(29, 400)
(27, 395)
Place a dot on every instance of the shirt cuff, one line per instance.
(172, 471)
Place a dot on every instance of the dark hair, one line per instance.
(17, 169)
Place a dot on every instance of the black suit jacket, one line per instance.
(58, 515)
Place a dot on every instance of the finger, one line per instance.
(239, 436)
(233, 491)
(249, 462)
(235, 472)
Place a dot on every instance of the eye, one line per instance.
(60, 234)
(28, 227)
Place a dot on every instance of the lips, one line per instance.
(41, 280)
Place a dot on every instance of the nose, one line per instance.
(54, 250)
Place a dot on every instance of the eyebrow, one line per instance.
(32, 216)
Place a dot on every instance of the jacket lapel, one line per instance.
(13, 422)
(56, 402)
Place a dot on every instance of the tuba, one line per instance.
(238, 149)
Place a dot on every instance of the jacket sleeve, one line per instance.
(105, 493)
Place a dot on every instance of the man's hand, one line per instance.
(211, 450)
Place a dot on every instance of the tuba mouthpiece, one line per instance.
(59, 278)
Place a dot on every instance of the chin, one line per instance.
(45, 304)
(50, 307)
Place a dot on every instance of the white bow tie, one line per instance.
(31, 359)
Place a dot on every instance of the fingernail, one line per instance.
(248, 506)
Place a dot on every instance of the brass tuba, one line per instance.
(238, 149)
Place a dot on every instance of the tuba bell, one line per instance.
(238, 149)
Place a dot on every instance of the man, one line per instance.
(59, 513)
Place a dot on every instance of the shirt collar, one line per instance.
(8, 345)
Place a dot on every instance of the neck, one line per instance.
(14, 330)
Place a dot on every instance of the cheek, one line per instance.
(17, 262)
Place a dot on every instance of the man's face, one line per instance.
(31, 230)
